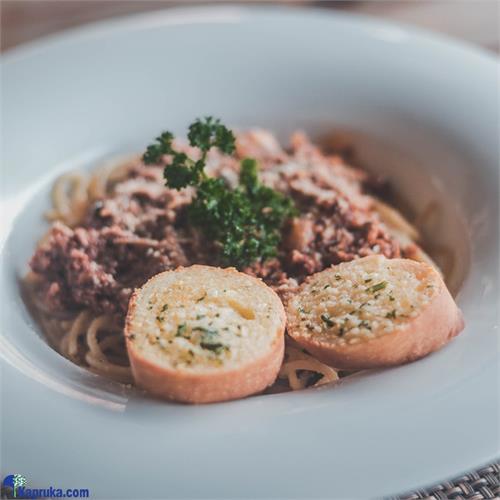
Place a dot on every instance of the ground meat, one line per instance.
(272, 272)
(99, 268)
(141, 228)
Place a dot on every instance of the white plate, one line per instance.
(426, 110)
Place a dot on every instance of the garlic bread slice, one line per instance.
(201, 334)
(373, 312)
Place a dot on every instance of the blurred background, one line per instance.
(476, 21)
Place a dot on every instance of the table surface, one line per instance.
(475, 21)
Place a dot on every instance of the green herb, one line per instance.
(216, 347)
(338, 277)
(368, 280)
(326, 319)
(210, 341)
(391, 298)
(202, 297)
(164, 308)
(200, 316)
(163, 146)
(365, 324)
(391, 314)
(204, 330)
(245, 222)
(326, 286)
(377, 287)
(208, 133)
(180, 330)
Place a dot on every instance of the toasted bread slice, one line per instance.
(373, 312)
(202, 334)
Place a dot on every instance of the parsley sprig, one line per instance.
(245, 222)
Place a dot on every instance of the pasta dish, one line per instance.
(114, 229)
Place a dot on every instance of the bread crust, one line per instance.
(188, 387)
(439, 321)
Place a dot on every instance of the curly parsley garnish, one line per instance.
(245, 222)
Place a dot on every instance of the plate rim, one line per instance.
(129, 21)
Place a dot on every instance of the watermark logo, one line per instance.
(14, 482)
(15, 486)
